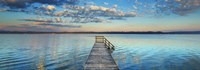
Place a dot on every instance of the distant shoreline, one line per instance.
(192, 32)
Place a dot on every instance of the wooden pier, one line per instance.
(100, 57)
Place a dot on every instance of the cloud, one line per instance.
(130, 14)
(116, 18)
(97, 8)
(56, 1)
(62, 25)
(48, 7)
(2, 9)
(84, 14)
(54, 22)
(179, 7)
(25, 3)
(115, 6)
(38, 20)
(60, 20)
(78, 14)
(38, 27)
(28, 27)
(88, 20)
(135, 7)
(15, 3)
(45, 20)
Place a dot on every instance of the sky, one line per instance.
(99, 15)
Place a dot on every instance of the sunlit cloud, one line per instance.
(48, 7)
(78, 14)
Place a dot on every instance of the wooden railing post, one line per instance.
(96, 39)
(102, 39)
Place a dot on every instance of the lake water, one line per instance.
(70, 51)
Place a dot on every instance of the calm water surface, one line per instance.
(70, 51)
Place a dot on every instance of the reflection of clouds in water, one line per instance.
(155, 52)
(123, 58)
(56, 51)
(120, 58)
(46, 51)
(41, 63)
(136, 59)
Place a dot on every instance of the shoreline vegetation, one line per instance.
(131, 32)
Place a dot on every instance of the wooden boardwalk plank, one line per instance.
(100, 58)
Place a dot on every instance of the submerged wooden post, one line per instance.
(100, 57)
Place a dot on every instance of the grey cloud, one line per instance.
(37, 20)
(116, 18)
(179, 7)
(15, 3)
(28, 27)
(2, 10)
(45, 20)
(37, 27)
(25, 3)
(62, 25)
(55, 22)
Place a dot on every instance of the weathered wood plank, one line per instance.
(100, 58)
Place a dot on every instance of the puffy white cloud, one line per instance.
(111, 10)
(75, 13)
(97, 8)
(79, 8)
(89, 13)
(49, 7)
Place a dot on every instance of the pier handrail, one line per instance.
(102, 39)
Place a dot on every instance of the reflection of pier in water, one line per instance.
(100, 57)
